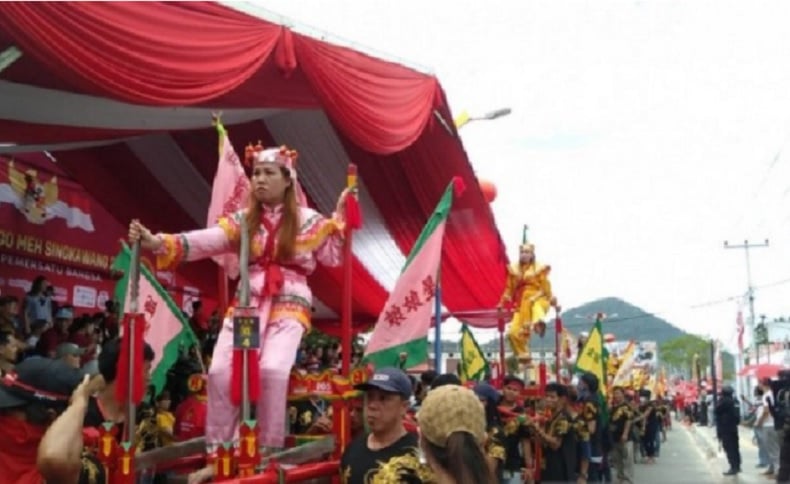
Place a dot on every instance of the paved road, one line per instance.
(706, 438)
(692, 455)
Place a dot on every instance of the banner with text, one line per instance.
(53, 227)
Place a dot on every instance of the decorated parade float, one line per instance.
(147, 151)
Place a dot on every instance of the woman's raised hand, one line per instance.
(138, 231)
(340, 209)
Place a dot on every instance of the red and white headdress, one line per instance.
(282, 156)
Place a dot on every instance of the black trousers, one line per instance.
(783, 473)
(729, 442)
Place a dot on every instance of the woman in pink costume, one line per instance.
(286, 240)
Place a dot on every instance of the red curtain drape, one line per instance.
(158, 53)
(182, 53)
(382, 107)
(408, 185)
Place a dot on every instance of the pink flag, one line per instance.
(740, 327)
(229, 193)
(402, 327)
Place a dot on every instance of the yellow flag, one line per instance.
(623, 376)
(593, 356)
(473, 361)
(462, 119)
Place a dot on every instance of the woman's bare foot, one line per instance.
(203, 475)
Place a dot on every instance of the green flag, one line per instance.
(474, 365)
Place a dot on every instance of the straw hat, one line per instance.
(450, 409)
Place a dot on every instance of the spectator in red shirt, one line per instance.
(31, 397)
(191, 413)
(57, 334)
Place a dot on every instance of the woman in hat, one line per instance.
(453, 434)
(286, 241)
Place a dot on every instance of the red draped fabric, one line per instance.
(382, 107)
(408, 185)
(183, 53)
(162, 53)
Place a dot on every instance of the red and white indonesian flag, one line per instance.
(229, 193)
(43, 200)
(404, 323)
(167, 330)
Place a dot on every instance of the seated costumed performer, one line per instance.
(286, 240)
(528, 292)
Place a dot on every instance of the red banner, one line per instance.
(325, 385)
(53, 227)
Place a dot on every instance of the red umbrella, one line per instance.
(764, 370)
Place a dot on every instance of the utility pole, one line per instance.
(746, 246)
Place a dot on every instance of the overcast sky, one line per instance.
(643, 134)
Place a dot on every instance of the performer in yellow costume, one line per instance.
(528, 292)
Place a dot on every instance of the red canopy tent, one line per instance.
(120, 94)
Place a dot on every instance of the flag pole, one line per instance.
(437, 330)
(244, 301)
(134, 304)
(348, 277)
(246, 341)
(557, 342)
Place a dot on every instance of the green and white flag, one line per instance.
(167, 330)
(404, 323)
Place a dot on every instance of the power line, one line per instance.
(742, 296)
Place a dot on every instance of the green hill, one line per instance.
(624, 320)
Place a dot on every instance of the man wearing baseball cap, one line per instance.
(31, 397)
(60, 457)
(69, 353)
(387, 452)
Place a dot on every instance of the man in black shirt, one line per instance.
(518, 450)
(388, 453)
(557, 437)
(727, 419)
(620, 428)
(591, 442)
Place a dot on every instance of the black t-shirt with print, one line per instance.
(620, 415)
(514, 433)
(302, 414)
(92, 471)
(559, 464)
(397, 463)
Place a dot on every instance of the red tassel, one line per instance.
(274, 280)
(236, 374)
(136, 360)
(353, 212)
(459, 187)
